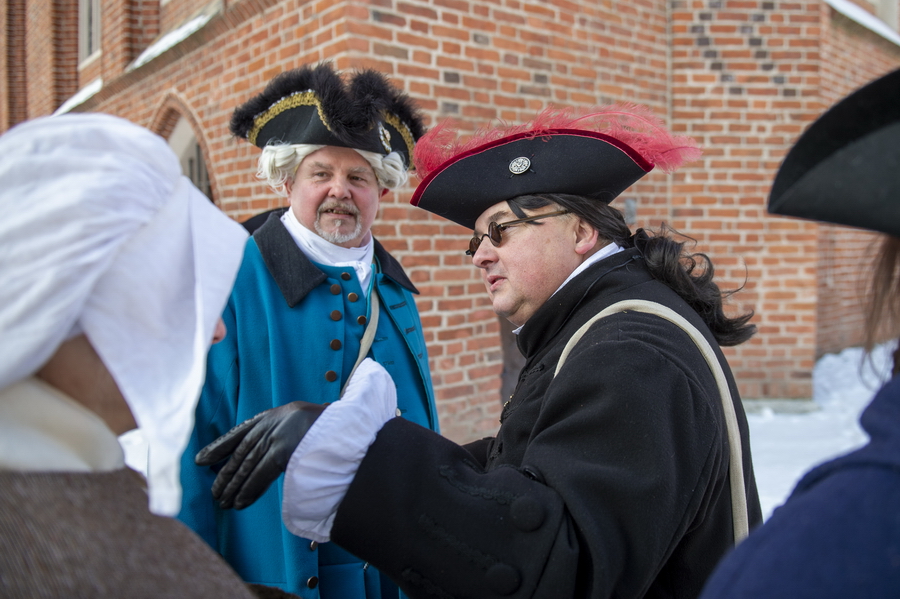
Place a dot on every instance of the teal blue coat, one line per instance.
(294, 333)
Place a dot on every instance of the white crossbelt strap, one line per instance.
(736, 465)
(367, 338)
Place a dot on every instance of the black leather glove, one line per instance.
(260, 449)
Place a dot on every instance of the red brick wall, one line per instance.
(10, 28)
(144, 24)
(115, 37)
(39, 54)
(65, 44)
(745, 82)
(174, 13)
(13, 92)
(128, 27)
(745, 78)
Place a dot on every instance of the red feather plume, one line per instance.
(633, 124)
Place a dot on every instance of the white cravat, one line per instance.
(325, 252)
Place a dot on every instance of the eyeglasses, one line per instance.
(495, 230)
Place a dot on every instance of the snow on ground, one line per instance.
(785, 446)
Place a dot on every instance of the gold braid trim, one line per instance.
(400, 126)
(295, 100)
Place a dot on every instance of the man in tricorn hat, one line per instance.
(838, 534)
(621, 467)
(316, 294)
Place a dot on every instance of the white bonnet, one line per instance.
(102, 234)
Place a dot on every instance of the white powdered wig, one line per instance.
(102, 234)
(278, 164)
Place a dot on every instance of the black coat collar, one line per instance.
(607, 277)
(295, 274)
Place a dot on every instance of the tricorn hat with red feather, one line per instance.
(598, 154)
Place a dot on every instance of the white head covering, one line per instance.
(102, 234)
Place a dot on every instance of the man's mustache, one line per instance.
(337, 208)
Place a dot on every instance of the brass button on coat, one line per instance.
(361, 320)
(335, 344)
(336, 315)
(345, 276)
(335, 289)
(352, 297)
(331, 376)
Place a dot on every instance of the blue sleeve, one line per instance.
(838, 538)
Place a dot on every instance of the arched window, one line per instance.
(184, 143)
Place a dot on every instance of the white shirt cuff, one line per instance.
(323, 465)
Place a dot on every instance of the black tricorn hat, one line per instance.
(845, 168)
(597, 154)
(313, 105)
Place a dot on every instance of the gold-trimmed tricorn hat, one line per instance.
(845, 168)
(596, 153)
(314, 105)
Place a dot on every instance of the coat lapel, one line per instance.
(295, 274)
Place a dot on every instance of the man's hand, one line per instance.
(260, 449)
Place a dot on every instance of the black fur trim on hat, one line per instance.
(401, 122)
(343, 120)
(314, 105)
(371, 90)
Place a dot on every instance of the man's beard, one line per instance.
(336, 237)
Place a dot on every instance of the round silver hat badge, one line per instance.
(519, 165)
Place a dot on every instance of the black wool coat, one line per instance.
(609, 480)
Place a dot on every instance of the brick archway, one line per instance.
(171, 110)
